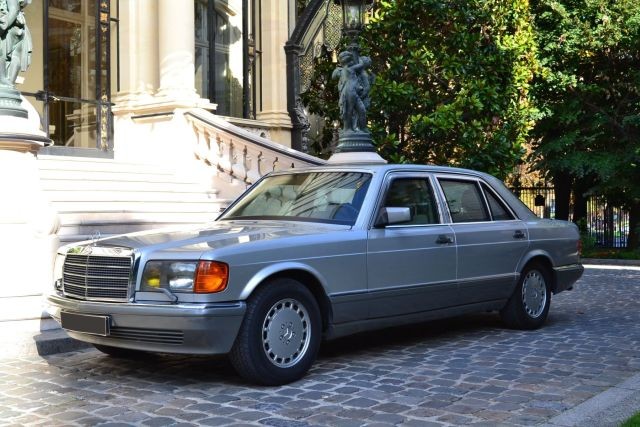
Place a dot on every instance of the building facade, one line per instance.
(96, 58)
(159, 113)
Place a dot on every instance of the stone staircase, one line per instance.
(110, 197)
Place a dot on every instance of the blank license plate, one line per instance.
(89, 324)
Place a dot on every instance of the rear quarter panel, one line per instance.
(557, 240)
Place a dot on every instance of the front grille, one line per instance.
(97, 277)
(157, 336)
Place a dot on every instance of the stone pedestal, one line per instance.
(355, 147)
(28, 224)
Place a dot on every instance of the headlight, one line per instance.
(181, 276)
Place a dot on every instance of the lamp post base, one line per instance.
(369, 157)
(355, 147)
(358, 141)
(10, 103)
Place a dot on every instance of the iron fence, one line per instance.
(541, 200)
(607, 225)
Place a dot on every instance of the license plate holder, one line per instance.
(86, 323)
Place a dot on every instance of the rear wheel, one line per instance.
(280, 334)
(528, 307)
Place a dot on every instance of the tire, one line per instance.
(120, 353)
(280, 334)
(528, 306)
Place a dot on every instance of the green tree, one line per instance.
(588, 91)
(322, 99)
(452, 82)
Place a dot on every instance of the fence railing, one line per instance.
(607, 224)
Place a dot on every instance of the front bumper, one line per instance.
(566, 276)
(209, 328)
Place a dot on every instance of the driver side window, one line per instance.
(417, 195)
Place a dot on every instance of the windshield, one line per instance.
(332, 197)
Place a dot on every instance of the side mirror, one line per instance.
(392, 215)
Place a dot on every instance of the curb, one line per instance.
(612, 262)
(35, 337)
(43, 344)
(609, 408)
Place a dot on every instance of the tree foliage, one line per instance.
(452, 82)
(588, 92)
(470, 82)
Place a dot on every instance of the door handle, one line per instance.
(444, 239)
(519, 234)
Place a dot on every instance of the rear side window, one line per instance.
(499, 211)
(465, 201)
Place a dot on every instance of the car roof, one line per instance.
(382, 168)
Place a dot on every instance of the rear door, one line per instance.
(491, 239)
(411, 266)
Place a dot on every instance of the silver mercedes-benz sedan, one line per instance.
(313, 254)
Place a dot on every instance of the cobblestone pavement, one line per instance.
(457, 372)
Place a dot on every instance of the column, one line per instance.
(275, 18)
(139, 77)
(28, 224)
(176, 49)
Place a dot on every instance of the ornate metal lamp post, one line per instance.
(354, 143)
(353, 20)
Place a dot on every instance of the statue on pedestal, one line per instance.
(15, 54)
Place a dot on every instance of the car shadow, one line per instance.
(434, 330)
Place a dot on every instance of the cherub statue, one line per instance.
(15, 41)
(354, 90)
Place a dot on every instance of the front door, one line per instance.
(411, 266)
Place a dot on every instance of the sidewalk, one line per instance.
(609, 408)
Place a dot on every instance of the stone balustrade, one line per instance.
(240, 153)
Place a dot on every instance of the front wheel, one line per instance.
(528, 307)
(280, 334)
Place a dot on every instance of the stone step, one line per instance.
(114, 218)
(132, 207)
(144, 183)
(93, 164)
(69, 176)
(111, 197)
(188, 195)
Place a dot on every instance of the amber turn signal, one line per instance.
(211, 276)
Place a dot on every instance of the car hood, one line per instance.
(216, 235)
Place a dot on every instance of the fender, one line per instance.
(532, 254)
(270, 270)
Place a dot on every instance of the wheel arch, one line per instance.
(543, 259)
(304, 274)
